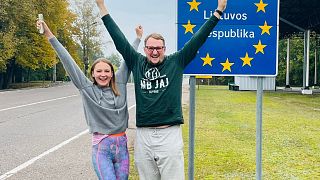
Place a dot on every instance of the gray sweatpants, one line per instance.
(158, 153)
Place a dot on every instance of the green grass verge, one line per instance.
(31, 84)
(225, 144)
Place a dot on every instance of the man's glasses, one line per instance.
(157, 48)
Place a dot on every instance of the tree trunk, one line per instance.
(9, 74)
(1, 79)
(18, 74)
(28, 75)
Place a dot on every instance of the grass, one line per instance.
(225, 144)
(31, 84)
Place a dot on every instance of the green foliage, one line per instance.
(21, 45)
(27, 49)
(296, 57)
(215, 80)
(7, 40)
(87, 35)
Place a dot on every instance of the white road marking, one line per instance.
(40, 102)
(31, 161)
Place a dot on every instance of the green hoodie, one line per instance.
(158, 87)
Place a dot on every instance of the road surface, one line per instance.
(43, 134)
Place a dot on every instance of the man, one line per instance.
(158, 87)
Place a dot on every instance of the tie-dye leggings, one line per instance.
(110, 158)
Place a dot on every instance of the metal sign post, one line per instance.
(191, 126)
(259, 128)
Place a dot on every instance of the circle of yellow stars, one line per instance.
(265, 29)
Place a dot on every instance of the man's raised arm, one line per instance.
(123, 72)
(222, 4)
(190, 49)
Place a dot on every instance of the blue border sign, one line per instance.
(244, 43)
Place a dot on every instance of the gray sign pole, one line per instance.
(259, 129)
(192, 83)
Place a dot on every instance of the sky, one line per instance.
(153, 15)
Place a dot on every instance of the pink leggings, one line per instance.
(110, 158)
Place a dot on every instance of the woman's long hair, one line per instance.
(112, 83)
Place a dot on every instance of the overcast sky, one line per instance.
(154, 15)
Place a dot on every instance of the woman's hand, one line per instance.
(47, 31)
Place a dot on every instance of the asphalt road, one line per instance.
(43, 134)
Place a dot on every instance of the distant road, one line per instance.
(43, 134)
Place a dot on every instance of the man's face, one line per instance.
(154, 50)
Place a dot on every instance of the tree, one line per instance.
(296, 60)
(61, 21)
(22, 47)
(7, 40)
(88, 34)
(17, 16)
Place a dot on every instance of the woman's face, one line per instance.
(102, 74)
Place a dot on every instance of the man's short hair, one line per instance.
(154, 36)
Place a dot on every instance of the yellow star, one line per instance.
(194, 5)
(189, 27)
(265, 28)
(259, 47)
(261, 6)
(226, 65)
(207, 60)
(246, 60)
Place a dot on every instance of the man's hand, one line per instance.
(139, 31)
(222, 4)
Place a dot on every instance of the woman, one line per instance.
(105, 108)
